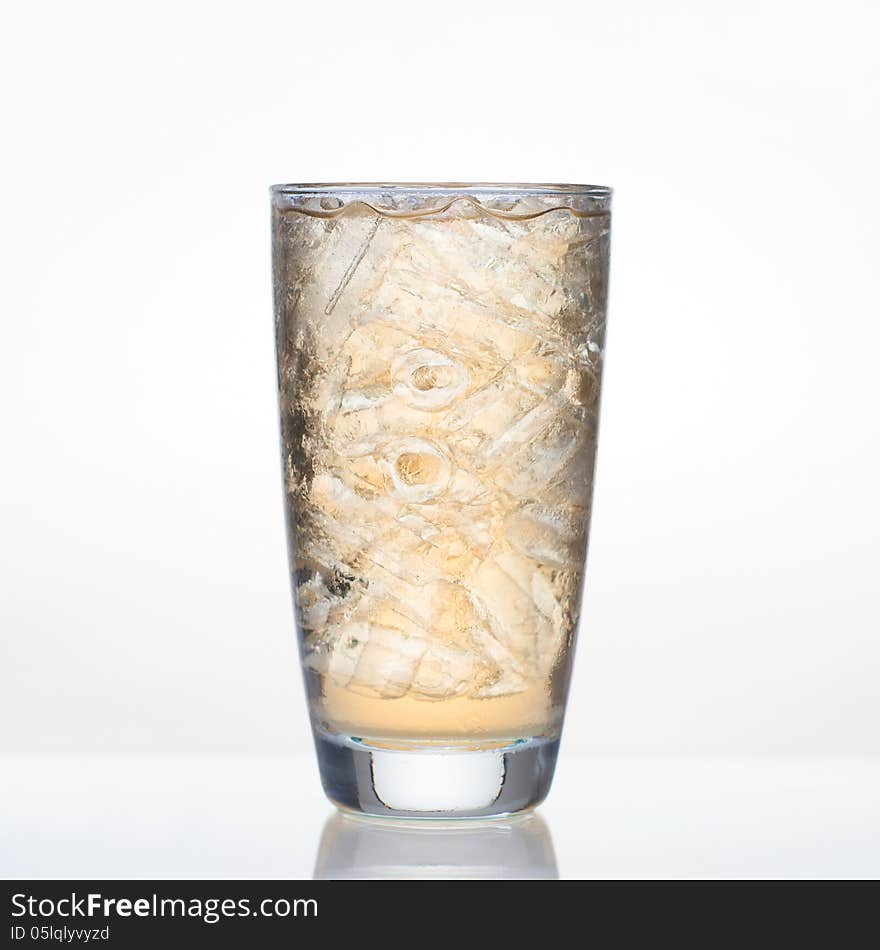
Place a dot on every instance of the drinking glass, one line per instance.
(439, 364)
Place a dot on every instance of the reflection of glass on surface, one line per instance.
(365, 849)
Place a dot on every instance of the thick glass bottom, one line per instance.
(409, 780)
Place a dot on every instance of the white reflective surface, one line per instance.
(616, 818)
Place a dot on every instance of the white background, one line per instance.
(732, 603)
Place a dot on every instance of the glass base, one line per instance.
(422, 781)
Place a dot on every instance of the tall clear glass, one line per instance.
(439, 366)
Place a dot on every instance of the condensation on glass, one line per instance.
(439, 365)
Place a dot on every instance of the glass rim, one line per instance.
(444, 188)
